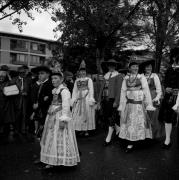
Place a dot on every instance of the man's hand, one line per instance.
(115, 105)
(45, 98)
(168, 90)
(35, 106)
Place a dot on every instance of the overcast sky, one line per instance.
(41, 27)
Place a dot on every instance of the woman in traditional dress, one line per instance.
(156, 93)
(83, 102)
(58, 142)
(134, 102)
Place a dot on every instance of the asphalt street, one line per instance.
(147, 162)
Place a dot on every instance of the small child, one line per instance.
(58, 142)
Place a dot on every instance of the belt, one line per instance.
(131, 101)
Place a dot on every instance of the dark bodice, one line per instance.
(151, 84)
(82, 84)
(172, 78)
(57, 99)
(133, 84)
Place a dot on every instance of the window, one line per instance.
(18, 58)
(38, 48)
(19, 45)
(37, 60)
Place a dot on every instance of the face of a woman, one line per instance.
(82, 73)
(134, 69)
(148, 69)
(56, 80)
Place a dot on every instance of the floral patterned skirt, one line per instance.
(83, 116)
(58, 146)
(135, 124)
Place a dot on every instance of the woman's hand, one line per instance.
(62, 125)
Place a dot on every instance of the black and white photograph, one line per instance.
(89, 89)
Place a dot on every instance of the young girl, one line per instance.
(58, 143)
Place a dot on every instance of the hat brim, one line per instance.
(41, 68)
(146, 63)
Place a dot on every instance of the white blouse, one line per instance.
(157, 85)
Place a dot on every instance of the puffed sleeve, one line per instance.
(176, 106)
(91, 91)
(66, 114)
(158, 87)
(123, 99)
(147, 96)
(74, 93)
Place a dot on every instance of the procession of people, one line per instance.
(54, 108)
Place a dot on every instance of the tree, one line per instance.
(160, 18)
(97, 24)
(8, 8)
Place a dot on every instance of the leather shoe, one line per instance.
(107, 143)
(129, 150)
(166, 146)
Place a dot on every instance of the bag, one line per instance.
(11, 90)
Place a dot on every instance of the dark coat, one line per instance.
(7, 114)
(46, 91)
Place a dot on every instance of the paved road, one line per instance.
(147, 162)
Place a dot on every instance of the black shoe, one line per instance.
(166, 146)
(129, 150)
(107, 143)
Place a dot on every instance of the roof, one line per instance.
(15, 35)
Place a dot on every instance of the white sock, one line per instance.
(110, 131)
(168, 130)
(117, 128)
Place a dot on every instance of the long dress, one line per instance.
(134, 102)
(58, 145)
(156, 93)
(83, 105)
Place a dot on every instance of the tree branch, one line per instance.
(8, 15)
(6, 5)
(127, 18)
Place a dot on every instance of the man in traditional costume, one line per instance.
(171, 85)
(110, 96)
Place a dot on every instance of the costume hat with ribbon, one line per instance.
(82, 65)
(41, 68)
(57, 71)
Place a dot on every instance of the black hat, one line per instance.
(82, 65)
(4, 68)
(146, 63)
(109, 62)
(41, 68)
(133, 63)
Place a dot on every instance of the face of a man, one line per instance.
(43, 76)
(2, 76)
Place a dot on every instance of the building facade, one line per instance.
(18, 50)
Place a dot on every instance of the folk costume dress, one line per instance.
(83, 104)
(156, 93)
(134, 102)
(58, 145)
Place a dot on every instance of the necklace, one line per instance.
(132, 81)
(148, 78)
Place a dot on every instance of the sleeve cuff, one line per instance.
(150, 108)
(175, 107)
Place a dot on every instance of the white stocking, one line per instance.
(110, 131)
(168, 130)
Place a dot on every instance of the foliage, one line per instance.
(9, 8)
(97, 24)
